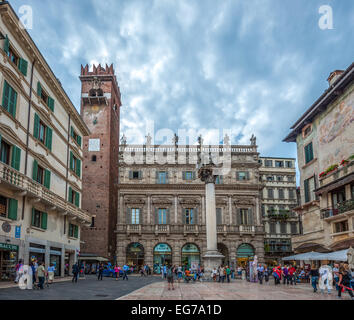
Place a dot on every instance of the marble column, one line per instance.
(230, 210)
(176, 210)
(203, 210)
(149, 210)
(258, 222)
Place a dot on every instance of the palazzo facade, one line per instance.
(161, 215)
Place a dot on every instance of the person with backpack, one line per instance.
(170, 270)
(260, 273)
(125, 272)
(314, 277)
(266, 274)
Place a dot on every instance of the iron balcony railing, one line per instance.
(340, 208)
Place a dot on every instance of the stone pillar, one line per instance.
(72, 261)
(211, 233)
(47, 255)
(348, 192)
(230, 210)
(258, 221)
(176, 210)
(149, 210)
(62, 261)
(121, 219)
(203, 210)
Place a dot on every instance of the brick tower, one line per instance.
(100, 109)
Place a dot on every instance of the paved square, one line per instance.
(236, 290)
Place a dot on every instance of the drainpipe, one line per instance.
(27, 136)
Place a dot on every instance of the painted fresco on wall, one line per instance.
(336, 134)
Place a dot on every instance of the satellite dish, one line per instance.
(6, 227)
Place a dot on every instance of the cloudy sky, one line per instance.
(250, 66)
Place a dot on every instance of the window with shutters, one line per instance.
(161, 177)
(42, 132)
(75, 164)
(74, 197)
(308, 153)
(189, 175)
(76, 137)
(49, 101)
(219, 180)
(309, 187)
(219, 216)
(189, 216)
(73, 231)
(9, 99)
(40, 175)
(5, 152)
(135, 175)
(135, 216)
(8, 208)
(39, 219)
(162, 216)
(14, 56)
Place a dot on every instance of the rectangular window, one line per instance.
(13, 56)
(269, 163)
(5, 152)
(9, 99)
(279, 164)
(281, 193)
(293, 228)
(291, 194)
(75, 164)
(162, 216)
(42, 131)
(308, 153)
(73, 231)
(39, 219)
(244, 217)
(8, 208)
(40, 175)
(290, 178)
(270, 193)
(270, 178)
(341, 226)
(135, 216)
(218, 216)
(283, 228)
(279, 178)
(189, 175)
(289, 164)
(75, 136)
(162, 177)
(189, 216)
(242, 175)
(272, 227)
(309, 187)
(136, 175)
(219, 180)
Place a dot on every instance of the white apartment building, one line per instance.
(40, 157)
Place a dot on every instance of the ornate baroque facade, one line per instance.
(161, 216)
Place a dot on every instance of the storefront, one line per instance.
(135, 255)
(190, 256)
(36, 253)
(162, 256)
(55, 260)
(245, 253)
(8, 261)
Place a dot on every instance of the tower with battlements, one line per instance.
(100, 110)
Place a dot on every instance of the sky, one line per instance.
(252, 67)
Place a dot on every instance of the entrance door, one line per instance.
(135, 256)
(162, 256)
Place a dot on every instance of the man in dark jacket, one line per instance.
(75, 272)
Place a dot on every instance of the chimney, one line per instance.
(334, 76)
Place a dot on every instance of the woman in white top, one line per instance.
(51, 270)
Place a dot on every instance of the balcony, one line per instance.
(281, 214)
(24, 185)
(247, 229)
(190, 228)
(133, 228)
(340, 173)
(343, 207)
(162, 228)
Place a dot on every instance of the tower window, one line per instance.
(94, 158)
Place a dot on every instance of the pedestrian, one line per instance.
(51, 270)
(116, 272)
(344, 281)
(41, 275)
(222, 273)
(292, 275)
(260, 273)
(142, 272)
(170, 270)
(75, 272)
(179, 274)
(266, 274)
(33, 272)
(277, 275)
(314, 277)
(125, 272)
(285, 274)
(228, 273)
(336, 275)
(165, 271)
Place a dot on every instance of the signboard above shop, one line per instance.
(8, 246)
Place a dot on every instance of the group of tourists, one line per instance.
(222, 273)
(38, 273)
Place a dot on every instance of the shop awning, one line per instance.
(335, 256)
(304, 256)
(100, 259)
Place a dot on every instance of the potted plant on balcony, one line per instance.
(322, 174)
(331, 168)
(344, 162)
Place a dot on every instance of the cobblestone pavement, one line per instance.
(85, 289)
(237, 290)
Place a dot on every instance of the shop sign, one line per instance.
(8, 246)
(162, 247)
(18, 232)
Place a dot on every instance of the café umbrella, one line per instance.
(305, 256)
